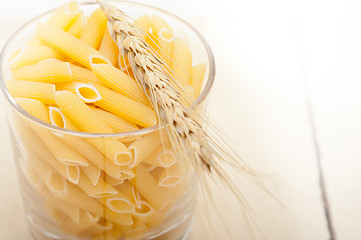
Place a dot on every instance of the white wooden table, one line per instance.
(268, 53)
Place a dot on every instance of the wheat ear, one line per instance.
(185, 133)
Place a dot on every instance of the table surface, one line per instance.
(287, 94)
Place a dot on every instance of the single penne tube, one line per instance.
(148, 187)
(29, 55)
(197, 78)
(142, 147)
(119, 203)
(86, 220)
(66, 43)
(92, 172)
(128, 190)
(87, 93)
(44, 92)
(77, 27)
(39, 72)
(147, 214)
(117, 124)
(99, 190)
(161, 157)
(64, 16)
(126, 172)
(109, 49)
(165, 42)
(51, 201)
(67, 86)
(84, 75)
(58, 119)
(94, 29)
(125, 107)
(119, 82)
(56, 214)
(49, 176)
(113, 181)
(170, 177)
(182, 62)
(94, 156)
(80, 114)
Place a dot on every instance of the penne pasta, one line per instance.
(99, 190)
(66, 43)
(128, 190)
(86, 220)
(109, 49)
(170, 177)
(125, 107)
(119, 82)
(119, 203)
(92, 172)
(115, 123)
(58, 119)
(39, 72)
(84, 75)
(143, 22)
(29, 55)
(64, 16)
(87, 93)
(94, 29)
(142, 147)
(182, 62)
(78, 25)
(113, 181)
(161, 157)
(188, 95)
(100, 226)
(43, 92)
(197, 78)
(80, 114)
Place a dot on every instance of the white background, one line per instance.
(266, 53)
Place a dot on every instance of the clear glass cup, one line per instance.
(64, 201)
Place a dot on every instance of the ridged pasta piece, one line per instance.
(137, 230)
(126, 172)
(128, 190)
(83, 75)
(67, 86)
(51, 201)
(50, 177)
(113, 181)
(88, 121)
(94, 29)
(142, 147)
(117, 124)
(109, 49)
(119, 82)
(94, 156)
(78, 25)
(87, 93)
(119, 203)
(148, 188)
(170, 177)
(161, 157)
(58, 119)
(92, 172)
(66, 43)
(148, 215)
(197, 78)
(148, 167)
(44, 92)
(100, 190)
(64, 16)
(125, 107)
(100, 226)
(39, 72)
(29, 55)
(182, 62)
(86, 220)
(143, 22)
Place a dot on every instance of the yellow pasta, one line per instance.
(143, 22)
(170, 177)
(94, 29)
(113, 181)
(99, 190)
(86, 220)
(43, 92)
(109, 49)
(130, 192)
(119, 203)
(39, 72)
(58, 119)
(77, 27)
(188, 95)
(84, 75)
(94, 156)
(100, 226)
(92, 172)
(87, 93)
(197, 78)
(115, 123)
(119, 82)
(88, 121)
(142, 147)
(148, 187)
(66, 43)
(35, 41)
(29, 55)
(182, 62)
(64, 16)
(125, 107)
(161, 157)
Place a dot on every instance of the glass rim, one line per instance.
(204, 93)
